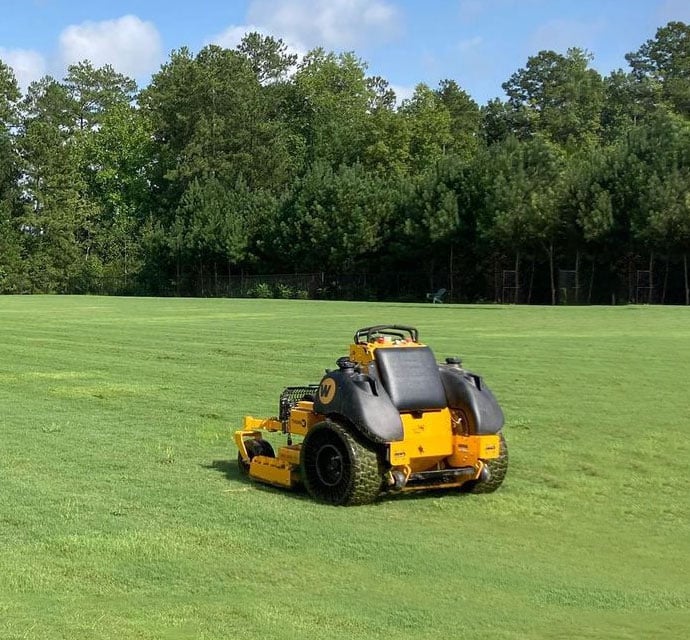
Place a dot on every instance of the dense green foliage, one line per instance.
(123, 515)
(246, 161)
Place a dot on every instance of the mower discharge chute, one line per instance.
(388, 419)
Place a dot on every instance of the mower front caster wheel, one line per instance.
(254, 448)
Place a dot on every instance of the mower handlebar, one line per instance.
(398, 330)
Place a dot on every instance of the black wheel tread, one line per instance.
(366, 475)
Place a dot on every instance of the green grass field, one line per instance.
(122, 514)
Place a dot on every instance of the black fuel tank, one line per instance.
(467, 391)
(362, 401)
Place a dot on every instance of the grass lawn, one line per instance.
(122, 514)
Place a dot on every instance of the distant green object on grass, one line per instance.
(437, 297)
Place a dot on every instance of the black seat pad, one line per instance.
(410, 376)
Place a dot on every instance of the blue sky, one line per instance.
(478, 43)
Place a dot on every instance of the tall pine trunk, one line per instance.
(517, 278)
(451, 274)
(178, 271)
(498, 282)
(553, 277)
(663, 290)
(531, 281)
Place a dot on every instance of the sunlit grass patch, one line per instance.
(122, 514)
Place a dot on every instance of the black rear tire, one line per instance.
(254, 448)
(497, 467)
(339, 469)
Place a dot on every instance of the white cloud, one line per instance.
(560, 35)
(470, 43)
(129, 44)
(233, 35)
(470, 10)
(402, 92)
(674, 10)
(472, 64)
(27, 65)
(335, 24)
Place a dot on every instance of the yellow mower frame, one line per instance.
(389, 419)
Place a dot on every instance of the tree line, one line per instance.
(249, 161)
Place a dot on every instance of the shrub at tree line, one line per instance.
(234, 163)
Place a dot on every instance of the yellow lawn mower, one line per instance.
(388, 419)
